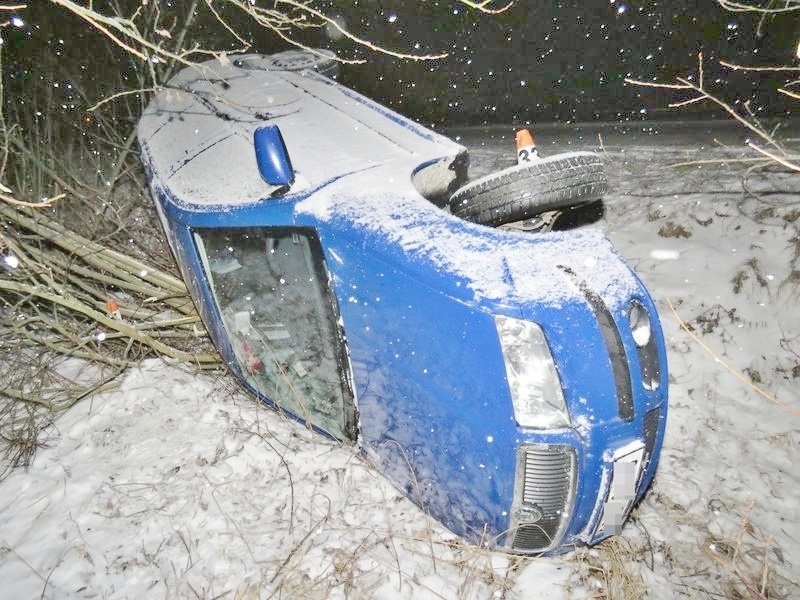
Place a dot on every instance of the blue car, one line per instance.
(512, 383)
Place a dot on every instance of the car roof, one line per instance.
(198, 131)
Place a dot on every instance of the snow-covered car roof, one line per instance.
(213, 110)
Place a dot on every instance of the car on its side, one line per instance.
(512, 384)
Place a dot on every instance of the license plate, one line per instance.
(625, 474)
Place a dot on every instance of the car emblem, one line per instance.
(528, 514)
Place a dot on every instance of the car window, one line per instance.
(272, 291)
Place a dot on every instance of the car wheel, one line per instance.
(557, 182)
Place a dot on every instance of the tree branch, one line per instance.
(701, 94)
(742, 7)
(484, 6)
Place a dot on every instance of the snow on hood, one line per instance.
(496, 265)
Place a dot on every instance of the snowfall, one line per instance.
(179, 485)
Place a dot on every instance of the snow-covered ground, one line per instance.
(177, 485)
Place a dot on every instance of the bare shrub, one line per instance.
(768, 142)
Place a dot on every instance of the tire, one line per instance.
(521, 192)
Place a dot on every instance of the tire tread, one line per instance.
(514, 194)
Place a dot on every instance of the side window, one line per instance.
(271, 289)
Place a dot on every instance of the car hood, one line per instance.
(473, 262)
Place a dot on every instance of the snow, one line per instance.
(197, 124)
(493, 264)
(197, 134)
(178, 485)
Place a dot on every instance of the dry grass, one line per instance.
(611, 570)
(745, 558)
(735, 560)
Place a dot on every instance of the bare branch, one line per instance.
(742, 7)
(113, 97)
(224, 23)
(74, 304)
(278, 24)
(792, 95)
(9, 199)
(729, 109)
(773, 69)
(654, 84)
(118, 29)
(283, 19)
(771, 155)
(701, 94)
(102, 23)
(484, 7)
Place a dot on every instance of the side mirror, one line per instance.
(272, 157)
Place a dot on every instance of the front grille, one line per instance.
(543, 496)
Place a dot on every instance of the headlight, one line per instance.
(535, 388)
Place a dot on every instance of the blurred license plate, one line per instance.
(627, 467)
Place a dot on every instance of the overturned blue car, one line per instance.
(512, 383)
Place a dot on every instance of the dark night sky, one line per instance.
(562, 60)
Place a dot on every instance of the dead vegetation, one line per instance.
(74, 315)
(87, 284)
(732, 553)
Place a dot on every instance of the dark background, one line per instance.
(566, 60)
(537, 62)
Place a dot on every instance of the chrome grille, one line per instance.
(544, 492)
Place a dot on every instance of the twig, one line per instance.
(740, 7)
(129, 269)
(125, 33)
(785, 406)
(122, 94)
(300, 544)
(418, 490)
(792, 95)
(483, 6)
(35, 204)
(285, 465)
(117, 29)
(73, 304)
(686, 85)
(774, 157)
(773, 69)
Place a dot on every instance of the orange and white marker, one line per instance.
(526, 146)
(112, 308)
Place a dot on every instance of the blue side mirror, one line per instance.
(272, 157)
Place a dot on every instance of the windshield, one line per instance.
(272, 290)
